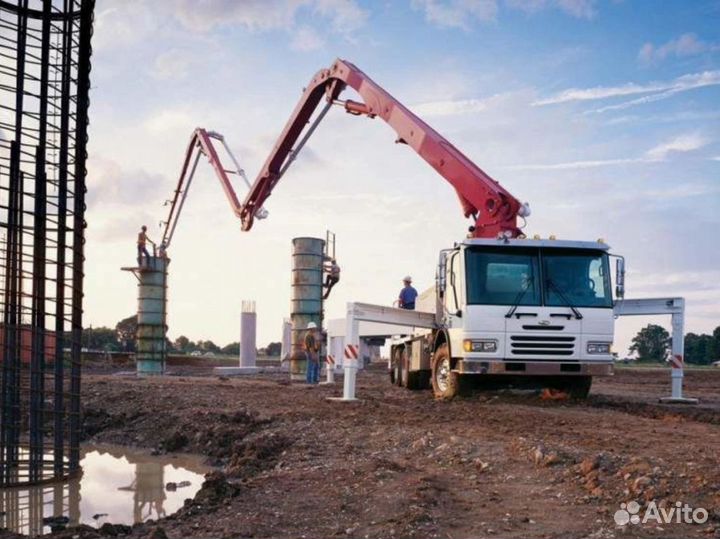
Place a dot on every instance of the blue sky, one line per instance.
(603, 115)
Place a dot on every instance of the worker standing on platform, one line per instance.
(408, 295)
(142, 242)
(312, 354)
(333, 275)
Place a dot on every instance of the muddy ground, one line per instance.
(399, 464)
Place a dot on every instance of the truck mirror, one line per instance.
(441, 271)
(620, 278)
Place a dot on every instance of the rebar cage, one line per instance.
(44, 83)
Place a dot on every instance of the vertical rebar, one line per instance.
(82, 104)
(45, 66)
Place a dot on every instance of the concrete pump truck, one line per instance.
(504, 305)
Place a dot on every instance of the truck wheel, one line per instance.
(445, 383)
(579, 387)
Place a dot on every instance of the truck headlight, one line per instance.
(482, 345)
(598, 347)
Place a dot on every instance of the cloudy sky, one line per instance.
(604, 115)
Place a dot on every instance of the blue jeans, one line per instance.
(312, 376)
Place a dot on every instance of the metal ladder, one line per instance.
(329, 244)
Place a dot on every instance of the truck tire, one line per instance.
(445, 383)
(579, 387)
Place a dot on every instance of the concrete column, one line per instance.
(248, 342)
(285, 344)
(152, 316)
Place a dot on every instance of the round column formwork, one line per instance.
(152, 317)
(306, 299)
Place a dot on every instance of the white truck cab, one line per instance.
(537, 312)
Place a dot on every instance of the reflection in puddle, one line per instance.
(118, 485)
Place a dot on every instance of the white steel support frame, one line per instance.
(675, 307)
(350, 360)
(366, 312)
(329, 368)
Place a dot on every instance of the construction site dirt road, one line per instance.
(399, 464)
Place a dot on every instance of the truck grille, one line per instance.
(542, 345)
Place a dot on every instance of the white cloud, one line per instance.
(306, 39)
(346, 15)
(125, 23)
(715, 158)
(680, 144)
(457, 13)
(122, 24)
(685, 45)
(173, 64)
(657, 91)
(204, 15)
(579, 8)
(450, 107)
(671, 117)
(582, 9)
(462, 13)
(112, 184)
(573, 165)
(170, 121)
(259, 15)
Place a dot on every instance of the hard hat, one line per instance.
(312, 325)
(407, 279)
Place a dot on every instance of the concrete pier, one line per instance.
(285, 343)
(152, 316)
(248, 325)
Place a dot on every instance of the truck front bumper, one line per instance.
(534, 368)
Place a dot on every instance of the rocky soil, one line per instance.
(399, 464)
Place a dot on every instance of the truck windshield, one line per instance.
(537, 276)
(502, 277)
(581, 276)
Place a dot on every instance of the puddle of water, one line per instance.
(118, 485)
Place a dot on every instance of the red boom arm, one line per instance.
(201, 143)
(494, 209)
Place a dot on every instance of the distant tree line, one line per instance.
(122, 339)
(653, 343)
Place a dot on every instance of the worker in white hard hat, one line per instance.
(408, 295)
(312, 354)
